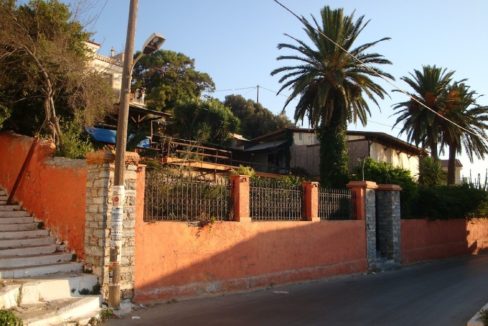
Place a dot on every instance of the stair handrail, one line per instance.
(22, 169)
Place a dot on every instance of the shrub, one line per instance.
(8, 318)
(382, 172)
(74, 144)
(443, 202)
(244, 170)
(430, 172)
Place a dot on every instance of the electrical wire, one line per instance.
(301, 19)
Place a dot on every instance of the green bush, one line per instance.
(382, 172)
(74, 143)
(443, 202)
(8, 318)
(430, 172)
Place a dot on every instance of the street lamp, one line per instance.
(118, 193)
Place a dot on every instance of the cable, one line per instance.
(235, 89)
(301, 19)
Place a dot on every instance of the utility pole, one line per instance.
(257, 94)
(118, 195)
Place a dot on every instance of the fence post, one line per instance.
(388, 215)
(365, 206)
(311, 198)
(240, 198)
(100, 179)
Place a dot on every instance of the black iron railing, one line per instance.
(275, 200)
(336, 204)
(171, 196)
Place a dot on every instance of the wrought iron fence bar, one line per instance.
(335, 204)
(182, 198)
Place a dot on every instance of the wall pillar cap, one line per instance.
(105, 156)
(362, 184)
(389, 187)
(239, 177)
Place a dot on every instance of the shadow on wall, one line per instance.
(174, 259)
(427, 240)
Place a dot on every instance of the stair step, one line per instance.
(16, 261)
(19, 227)
(16, 220)
(9, 296)
(23, 234)
(3, 197)
(56, 286)
(33, 271)
(28, 251)
(8, 214)
(18, 243)
(10, 207)
(3, 202)
(59, 312)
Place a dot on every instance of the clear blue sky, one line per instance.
(234, 41)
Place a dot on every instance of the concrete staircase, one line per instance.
(39, 280)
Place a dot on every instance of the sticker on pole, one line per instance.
(118, 196)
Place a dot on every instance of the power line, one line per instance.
(302, 20)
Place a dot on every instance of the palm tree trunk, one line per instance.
(451, 166)
(433, 151)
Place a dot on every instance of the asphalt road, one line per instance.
(443, 293)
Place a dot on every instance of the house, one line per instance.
(139, 116)
(298, 150)
(109, 66)
(457, 173)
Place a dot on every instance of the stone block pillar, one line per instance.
(311, 198)
(388, 221)
(365, 208)
(100, 179)
(240, 197)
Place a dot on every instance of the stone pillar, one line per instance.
(100, 179)
(240, 197)
(365, 208)
(311, 198)
(388, 215)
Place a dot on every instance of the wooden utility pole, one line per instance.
(118, 196)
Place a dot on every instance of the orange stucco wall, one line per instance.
(53, 193)
(426, 240)
(174, 259)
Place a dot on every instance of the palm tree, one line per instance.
(421, 125)
(461, 108)
(331, 85)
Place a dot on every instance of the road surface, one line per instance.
(443, 293)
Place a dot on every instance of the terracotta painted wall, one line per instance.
(177, 260)
(426, 240)
(52, 190)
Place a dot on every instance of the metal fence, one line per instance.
(275, 200)
(336, 204)
(174, 197)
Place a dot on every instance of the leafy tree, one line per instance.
(332, 85)
(43, 65)
(422, 126)
(207, 121)
(462, 109)
(256, 120)
(170, 79)
(383, 172)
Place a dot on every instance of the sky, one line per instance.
(235, 42)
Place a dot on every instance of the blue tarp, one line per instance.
(109, 136)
